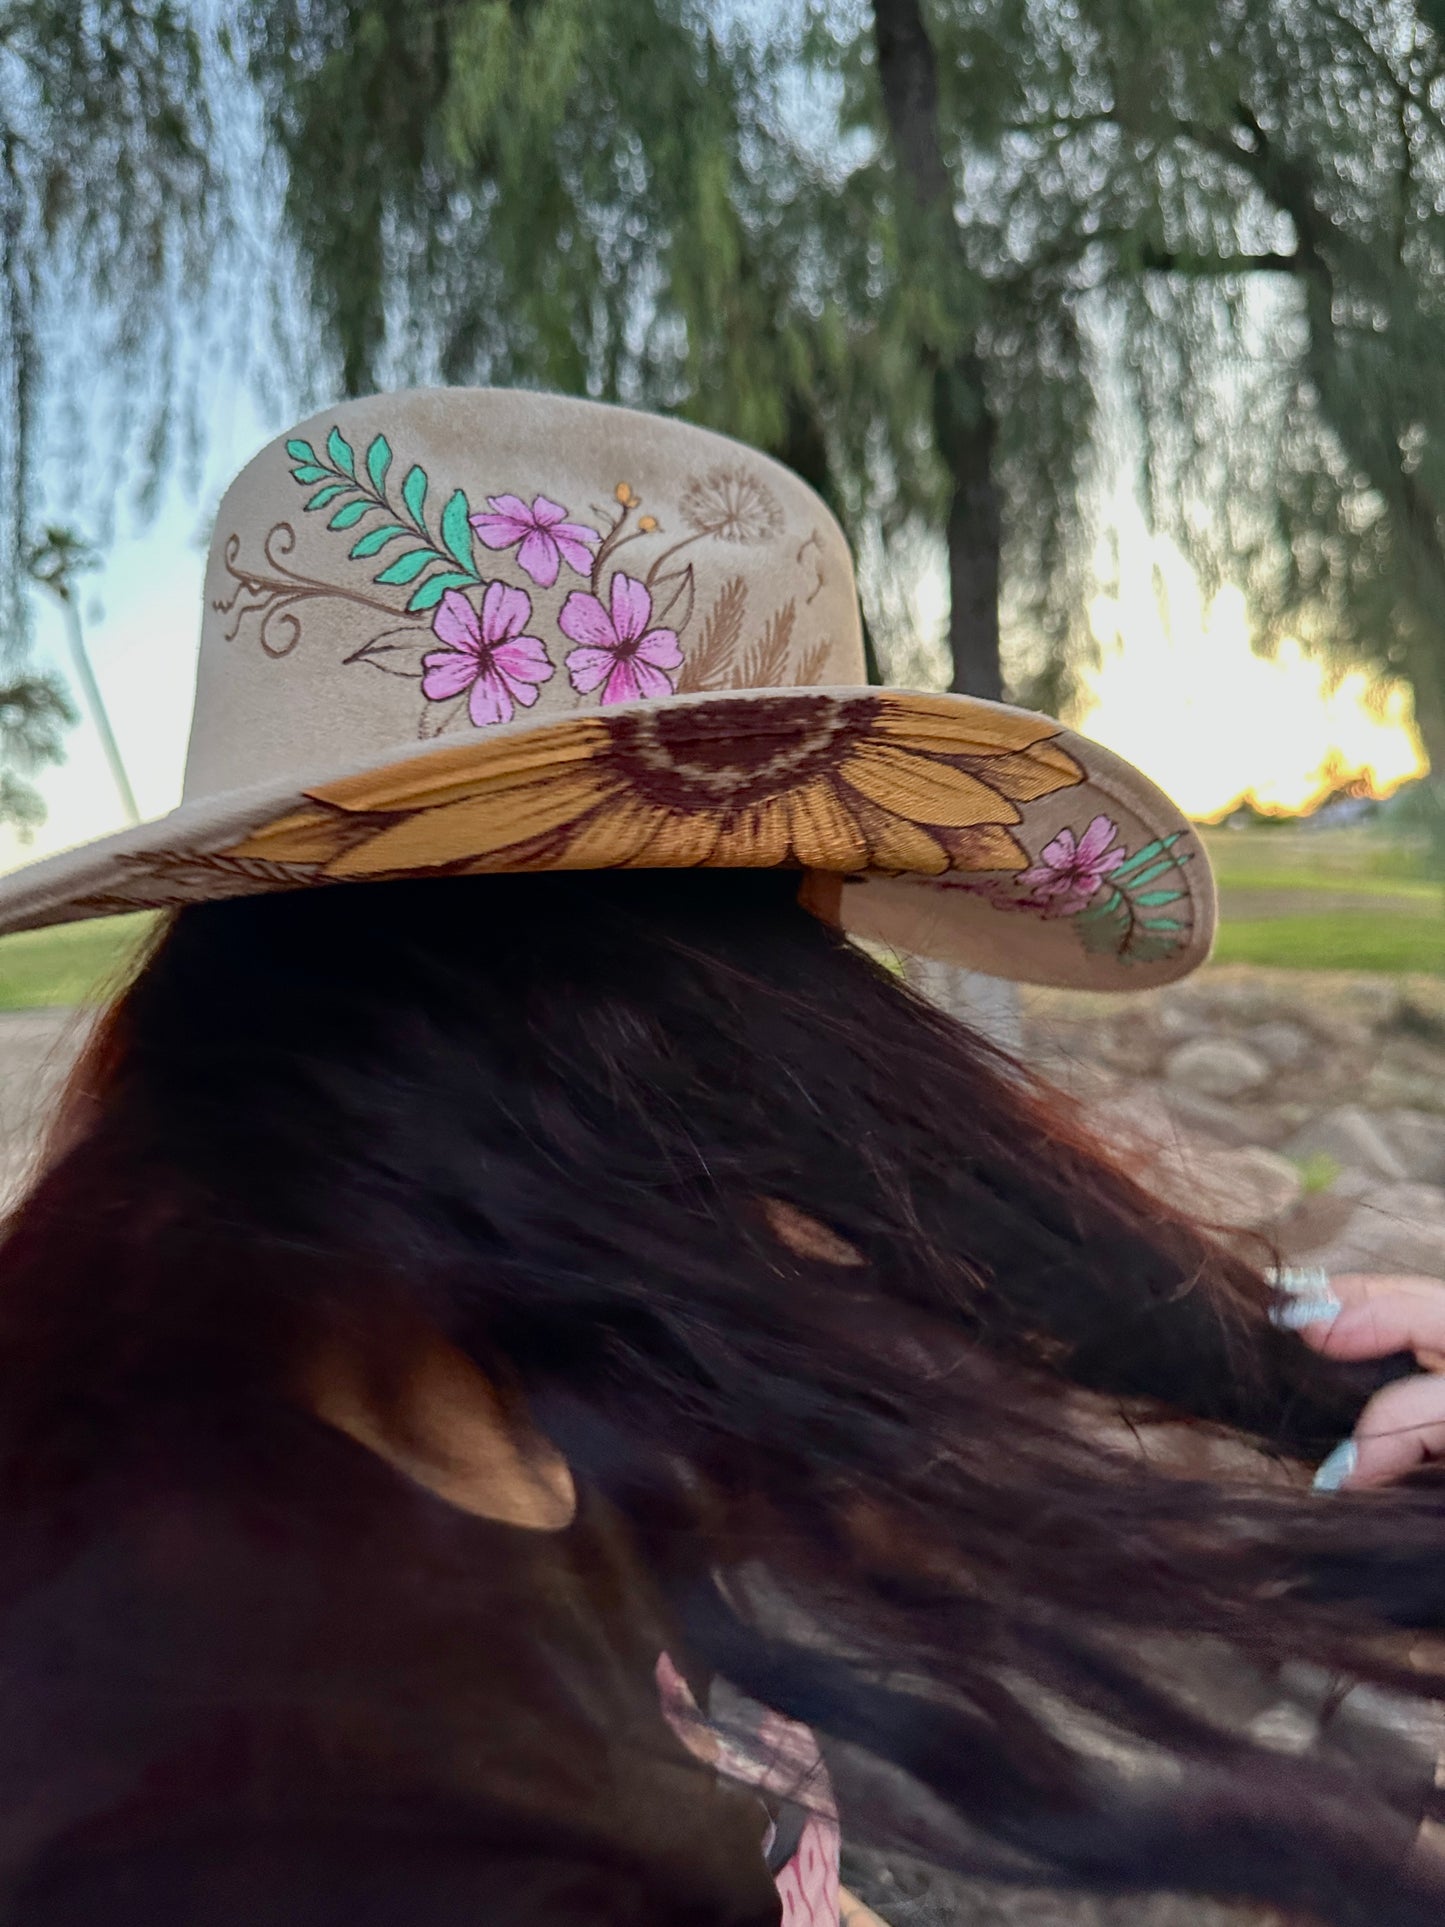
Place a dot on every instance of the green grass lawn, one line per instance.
(74, 964)
(1336, 940)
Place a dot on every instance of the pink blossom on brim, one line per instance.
(541, 535)
(487, 658)
(1071, 870)
(618, 653)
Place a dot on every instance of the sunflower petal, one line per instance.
(303, 836)
(950, 726)
(986, 847)
(826, 835)
(452, 775)
(612, 835)
(1026, 775)
(923, 790)
(475, 826)
(754, 839)
(896, 844)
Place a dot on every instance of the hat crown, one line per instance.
(441, 562)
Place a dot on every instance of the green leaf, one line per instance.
(1155, 870)
(327, 494)
(302, 452)
(1101, 907)
(413, 491)
(376, 539)
(310, 472)
(349, 516)
(339, 449)
(435, 587)
(408, 567)
(378, 461)
(1163, 923)
(457, 531)
(1150, 898)
(1149, 850)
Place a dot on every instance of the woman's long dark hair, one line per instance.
(895, 1498)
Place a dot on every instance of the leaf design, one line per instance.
(767, 660)
(378, 461)
(435, 717)
(348, 516)
(435, 587)
(377, 539)
(309, 472)
(408, 567)
(300, 451)
(413, 493)
(398, 652)
(327, 494)
(717, 644)
(339, 449)
(457, 532)
(673, 610)
(1115, 922)
(810, 669)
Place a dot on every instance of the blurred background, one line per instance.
(1111, 329)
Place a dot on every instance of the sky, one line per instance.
(1180, 693)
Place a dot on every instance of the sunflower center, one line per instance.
(705, 756)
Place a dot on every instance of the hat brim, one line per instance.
(943, 825)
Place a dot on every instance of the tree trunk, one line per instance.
(965, 433)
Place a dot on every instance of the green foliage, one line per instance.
(111, 212)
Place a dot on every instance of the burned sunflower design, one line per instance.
(880, 784)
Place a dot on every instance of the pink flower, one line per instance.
(618, 650)
(1070, 870)
(487, 655)
(547, 538)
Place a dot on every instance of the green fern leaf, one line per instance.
(413, 492)
(349, 516)
(327, 494)
(376, 539)
(378, 461)
(435, 587)
(457, 531)
(302, 452)
(408, 567)
(339, 449)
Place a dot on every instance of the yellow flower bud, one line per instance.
(623, 492)
(648, 524)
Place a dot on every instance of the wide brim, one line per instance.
(940, 825)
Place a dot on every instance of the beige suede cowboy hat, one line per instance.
(457, 631)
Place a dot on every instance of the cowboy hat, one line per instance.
(459, 631)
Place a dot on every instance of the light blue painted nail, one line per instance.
(1339, 1468)
(1304, 1281)
(1296, 1313)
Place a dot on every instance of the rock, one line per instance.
(1353, 1139)
(1375, 1000)
(1410, 1075)
(1282, 1044)
(1216, 1066)
(1234, 1124)
(1419, 1139)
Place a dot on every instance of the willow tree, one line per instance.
(1253, 203)
(109, 217)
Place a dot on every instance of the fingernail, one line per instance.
(1296, 1313)
(1339, 1468)
(1302, 1281)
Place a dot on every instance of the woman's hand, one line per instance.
(1363, 1315)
